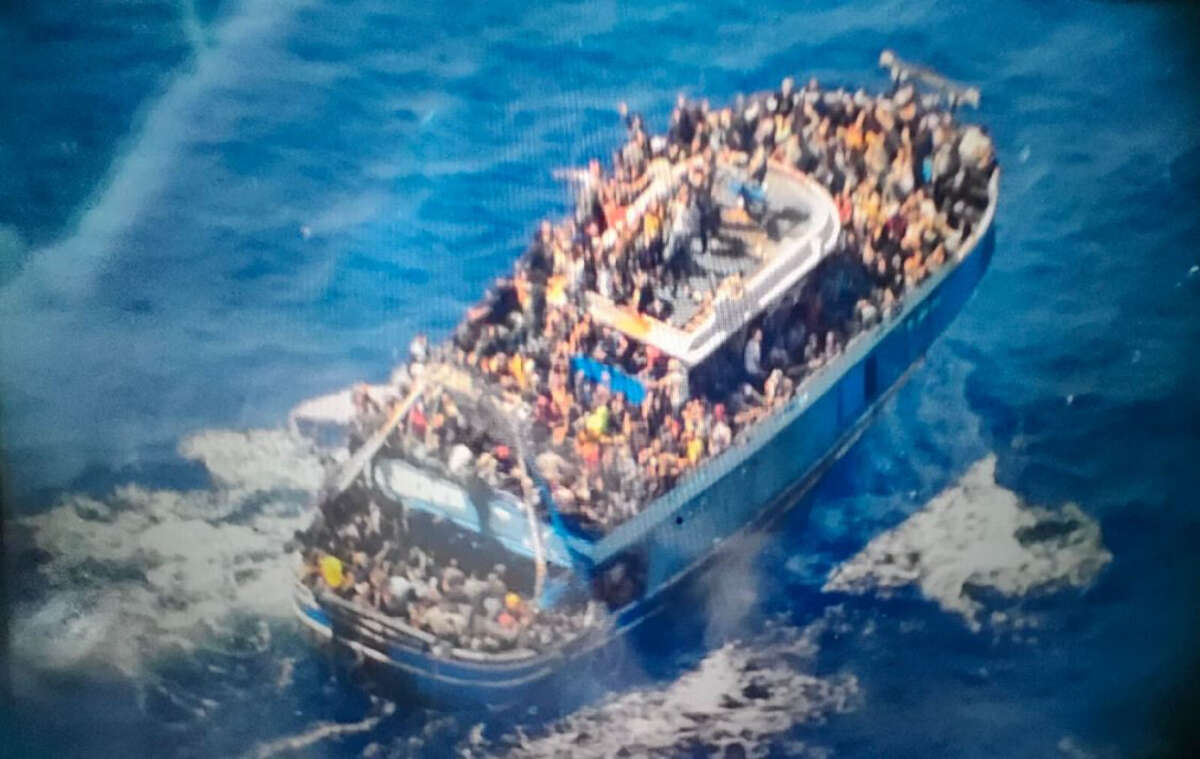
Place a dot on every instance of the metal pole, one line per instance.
(342, 478)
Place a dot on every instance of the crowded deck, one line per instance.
(703, 276)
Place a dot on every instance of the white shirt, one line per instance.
(678, 391)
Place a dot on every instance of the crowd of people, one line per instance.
(447, 584)
(910, 185)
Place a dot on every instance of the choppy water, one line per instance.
(210, 211)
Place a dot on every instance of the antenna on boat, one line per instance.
(903, 71)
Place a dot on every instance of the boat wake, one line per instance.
(977, 546)
(120, 579)
(741, 698)
(150, 585)
(168, 588)
(746, 698)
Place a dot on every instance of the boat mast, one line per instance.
(343, 476)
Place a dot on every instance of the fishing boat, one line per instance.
(623, 572)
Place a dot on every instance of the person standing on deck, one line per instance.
(676, 385)
(685, 225)
(752, 356)
(368, 417)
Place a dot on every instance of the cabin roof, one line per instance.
(742, 273)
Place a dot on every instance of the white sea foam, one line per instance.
(740, 695)
(144, 569)
(319, 732)
(255, 459)
(977, 534)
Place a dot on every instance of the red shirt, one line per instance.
(416, 417)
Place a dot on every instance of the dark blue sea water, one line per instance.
(210, 211)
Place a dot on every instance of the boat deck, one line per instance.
(744, 248)
(798, 230)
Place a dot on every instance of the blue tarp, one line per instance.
(751, 191)
(614, 378)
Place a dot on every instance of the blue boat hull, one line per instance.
(743, 490)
